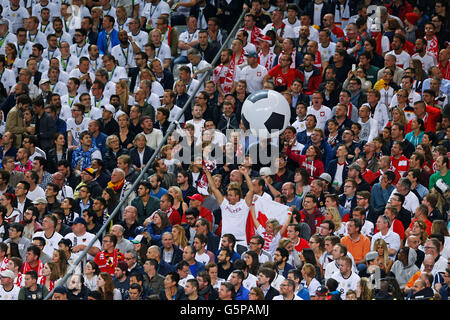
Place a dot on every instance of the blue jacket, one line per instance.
(156, 237)
(302, 137)
(101, 41)
(332, 168)
(304, 293)
(327, 151)
(100, 142)
(164, 268)
(242, 294)
(196, 268)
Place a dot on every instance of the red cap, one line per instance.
(197, 197)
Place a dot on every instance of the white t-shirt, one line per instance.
(152, 12)
(234, 219)
(15, 17)
(124, 56)
(8, 79)
(280, 297)
(391, 238)
(427, 60)
(322, 115)
(402, 59)
(36, 193)
(350, 283)
(84, 240)
(187, 37)
(328, 52)
(10, 38)
(141, 38)
(287, 33)
(254, 77)
(9, 295)
(51, 244)
(77, 129)
(202, 258)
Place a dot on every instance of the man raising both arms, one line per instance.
(234, 209)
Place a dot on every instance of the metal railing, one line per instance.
(171, 128)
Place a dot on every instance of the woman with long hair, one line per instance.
(160, 224)
(91, 273)
(381, 248)
(256, 294)
(417, 132)
(364, 289)
(58, 152)
(440, 226)
(425, 150)
(61, 260)
(8, 200)
(111, 199)
(126, 100)
(301, 180)
(126, 136)
(71, 209)
(105, 286)
(13, 250)
(11, 61)
(334, 215)
(398, 115)
(252, 261)
(178, 203)
(50, 275)
(307, 256)
(317, 244)
(179, 236)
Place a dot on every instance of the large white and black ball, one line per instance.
(266, 113)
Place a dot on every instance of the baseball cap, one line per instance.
(265, 171)
(321, 291)
(265, 39)
(79, 220)
(42, 81)
(325, 176)
(109, 107)
(253, 54)
(60, 289)
(138, 239)
(90, 171)
(371, 255)
(197, 196)
(355, 166)
(7, 274)
(40, 200)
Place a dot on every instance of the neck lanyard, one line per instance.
(96, 64)
(108, 40)
(20, 50)
(97, 104)
(110, 75)
(81, 50)
(125, 54)
(65, 63)
(121, 26)
(29, 37)
(3, 39)
(43, 31)
(48, 54)
(71, 103)
(151, 12)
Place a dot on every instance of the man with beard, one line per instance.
(77, 289)
(224, 266)
(225, 75)
(125, 52)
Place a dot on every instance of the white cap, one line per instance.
(109, 107)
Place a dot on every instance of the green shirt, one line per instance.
(436, 176)
(372, 74)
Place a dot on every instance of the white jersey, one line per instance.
(346, 284)
(46, 29)
(402, 59)
(152, 12)
(85, 239)
(328, 52)
(78, 52)
(122, 26)
(8, 38)
(8, 79)
(53, 8)
(287, 32)
(77, 129)
(36, 193)
(322, 115)
(117, 74)
(427, 60)
(234, 219)
(141, 38)
(254, 77)
(174, 112)
(51, 244)
(48, 54)
(15, 17)
(124, 56)
(391, 238)
(24, 51)
(76, 73)
(187, 37)
(39, 37)
(13, 294)
(69, 64)
(59, 88)
(67, 102)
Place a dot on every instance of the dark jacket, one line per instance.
(271, 293)
(47, 130)
(52, 159)
(332, 168)
(179, 295)
(223, 124)
(167, 80)
(208, 12)
(212, 241)
(164, 268)
(209, 293)
(96, 189)
(177, 255)
(110, 159)
(144, 212)
(309, 10)
(134, 155)
(343, 198)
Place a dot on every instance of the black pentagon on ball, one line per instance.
(275, 121)
(245, 122)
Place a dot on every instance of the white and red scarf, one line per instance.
(433, 47)
(255, 34)
(52, 283)
(358, 39)
(228, 80)
(266, 61)
(26, 267)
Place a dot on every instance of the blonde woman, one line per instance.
(381, 248)
(398, 115)
(126, 99)
(178, 203)
(333, 215)
(309, 278)
(179, 236)
(170, 162)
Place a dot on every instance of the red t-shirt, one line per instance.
(430, 120)
(280, 78)
(302, 244)
(402, 164)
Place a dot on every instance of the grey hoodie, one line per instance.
(404, 273)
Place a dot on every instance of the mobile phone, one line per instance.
(353, 67)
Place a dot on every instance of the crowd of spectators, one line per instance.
(359, 182)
